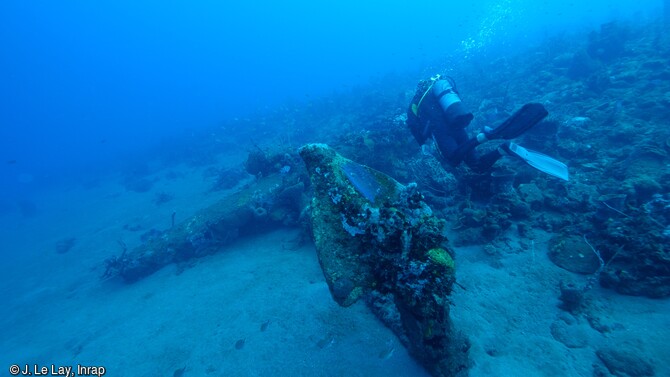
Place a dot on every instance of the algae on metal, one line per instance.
(202, 234)
(377, 239)
(335, 204)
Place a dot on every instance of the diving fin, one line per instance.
(540, 161)
(521, 121)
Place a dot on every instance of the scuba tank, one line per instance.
(436, 101)
(454, 112)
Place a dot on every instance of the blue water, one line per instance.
(89, 83)
(91, 91)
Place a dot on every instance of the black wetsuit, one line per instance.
(425, 118)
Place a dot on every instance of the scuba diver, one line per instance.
(436, 110)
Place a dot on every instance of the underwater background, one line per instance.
(122, 122)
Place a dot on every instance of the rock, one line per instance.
(531, 194)
(573, 254)
(572, 297)
(377, 238)
(572, 336)
(625, 362)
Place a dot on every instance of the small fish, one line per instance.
(264, 325)
(388, 350)
(11, 162)
(326, 342)
(239, 344)
(179, 372)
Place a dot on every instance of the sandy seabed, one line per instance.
(261, 307)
